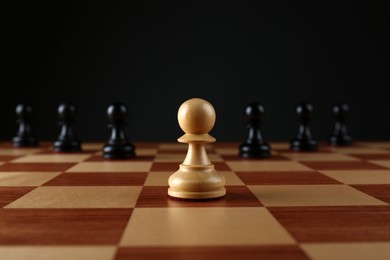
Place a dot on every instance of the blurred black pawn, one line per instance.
(24, 136)
(254, 146)
(67, 140)
(304, 140)
(118, 147)
(340, 135)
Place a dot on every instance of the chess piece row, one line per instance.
(117, 147)
(255, 146)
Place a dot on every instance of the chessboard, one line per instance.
(330, 204)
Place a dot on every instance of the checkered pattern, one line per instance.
(331, 204)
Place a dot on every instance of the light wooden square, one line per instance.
(100, 252)
(360, 176)
(356, 251)
(146, 151)
(319, 157)
(203, 227)
(312, 195)
(19, 151)
(280, 145)
(26, 178)
(249, 166)
(227, 151)
(170, 157)
(109, 166)
(157, 178)
(231, 179)
(92, 146)
(52, 158)
(79, 197)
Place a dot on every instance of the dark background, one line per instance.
(155, 55)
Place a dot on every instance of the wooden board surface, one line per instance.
(330, 204)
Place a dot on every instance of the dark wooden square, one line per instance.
(342, 165)
(379, 191)
(335, 224)
(9, 194)
(99, 179)
(26, 167)
(382, 156)
(280, 178)
(62, 226)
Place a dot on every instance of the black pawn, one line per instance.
(340, 135)
(67, 140)
(304, 140)
(118, 147)
(254, 146)
(24, 136)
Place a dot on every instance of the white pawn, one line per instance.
(197, 177)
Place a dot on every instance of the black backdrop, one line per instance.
(154, 55)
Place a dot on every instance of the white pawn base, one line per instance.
(196, 182)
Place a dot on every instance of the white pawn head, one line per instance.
(196, 116)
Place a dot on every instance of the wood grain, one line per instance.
(335, 224)
(212, 253)
(62, 226)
